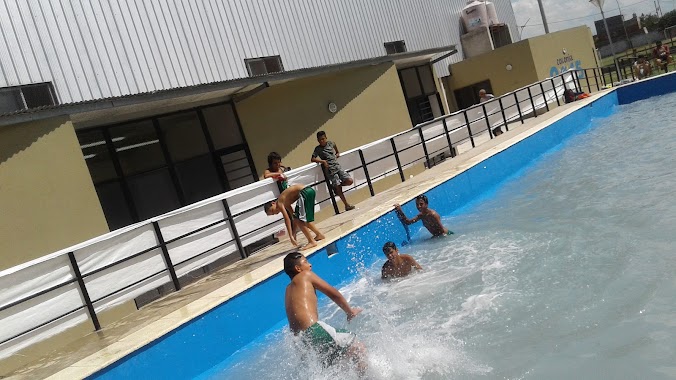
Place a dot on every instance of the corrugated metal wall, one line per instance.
(94, 49)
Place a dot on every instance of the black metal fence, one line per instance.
(435, 141)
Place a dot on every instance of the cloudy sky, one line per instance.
(569, 13)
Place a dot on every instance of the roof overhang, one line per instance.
(237, 89)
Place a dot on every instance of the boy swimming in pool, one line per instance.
(301, 311)
(430, 218)
(397, 265)
(304, 214)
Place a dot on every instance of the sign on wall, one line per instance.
(565, 63)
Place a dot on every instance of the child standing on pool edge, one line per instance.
(430, 218)
(326, 154)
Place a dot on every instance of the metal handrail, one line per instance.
(229, 220)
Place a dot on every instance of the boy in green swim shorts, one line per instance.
(304, 214)
(301, 311)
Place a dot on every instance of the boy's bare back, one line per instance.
(290, 195)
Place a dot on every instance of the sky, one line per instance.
(570, 13)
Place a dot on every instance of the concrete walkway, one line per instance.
(100, 349)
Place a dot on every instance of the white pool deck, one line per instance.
(99, 349)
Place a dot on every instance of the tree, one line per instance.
(667, 20)
(649, 22)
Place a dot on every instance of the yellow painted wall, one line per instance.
(548, 51)
(286, 117)
(493, 65)
(47, 199)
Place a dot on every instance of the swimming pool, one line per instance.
(536, 284)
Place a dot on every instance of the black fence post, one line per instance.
(84, 292)
(502, 111)
(448, 138)
(366, 172)
(544, 97)
(576, 82)
(532, 103)
(596, 79)
(518, 106)
(422, 141)
(167, 258)
(332, 195)
(556, 93)
(488, 125)
(469, 129)
(396, 157)
(586, 77)
(233, 228)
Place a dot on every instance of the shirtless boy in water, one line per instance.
(304, 213)
(397, 265)
(301, 311)
(430, 218)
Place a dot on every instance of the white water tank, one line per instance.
(478, 14)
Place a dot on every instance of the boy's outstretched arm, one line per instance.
(289, 225)
(402, 216)
(335, 296)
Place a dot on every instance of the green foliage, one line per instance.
(667, 20)
(650, 21)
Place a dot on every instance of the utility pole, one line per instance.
(599, 3)
(624, 26)
(544, 19)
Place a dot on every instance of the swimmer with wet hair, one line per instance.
(397, 265)
(430, 218)
(301, 311)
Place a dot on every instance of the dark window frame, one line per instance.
(49, 86)
(170, 165)
(267, 61)
(395, 47)
(413, 102)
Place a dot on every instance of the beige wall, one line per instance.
(285, 118)
(47, 199)
(493, 65)
(548, 51)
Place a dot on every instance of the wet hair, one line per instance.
(273, 156)
(423, 198)
(658, 42)
(290, 262)
(320, 134)
(389, 246)
(267, 207)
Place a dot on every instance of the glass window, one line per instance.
(183, 135)
(10, 100)
(409, 78)
(96, 155)
(198, 179)
(137, 147)
(222, 125)
(427, 79)
(153, 193)
(237, 169)
(114, 205)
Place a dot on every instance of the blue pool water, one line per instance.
(564, 271)
(560, 268)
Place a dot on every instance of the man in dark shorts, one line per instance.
(662, 55)
(301, 310)
(430, 218)
(304, 214)
(397, 265)
(326, 154)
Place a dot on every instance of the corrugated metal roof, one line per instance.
(236, 84)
